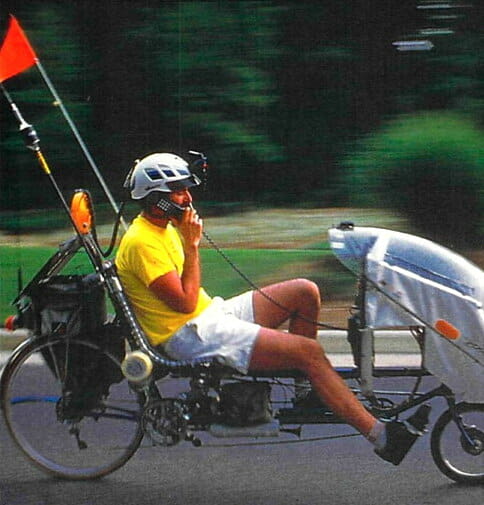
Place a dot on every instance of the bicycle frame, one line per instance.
(364, 371)
(169, 420)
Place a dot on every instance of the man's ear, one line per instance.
(149, 204)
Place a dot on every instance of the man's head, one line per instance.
(158, 178)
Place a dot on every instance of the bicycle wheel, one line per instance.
(68, 432)
(460, 455)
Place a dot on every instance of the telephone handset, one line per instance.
(171, 209)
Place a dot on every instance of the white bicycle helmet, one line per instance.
(163, 172)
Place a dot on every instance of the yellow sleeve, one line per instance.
(149, 263)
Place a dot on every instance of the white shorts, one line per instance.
(226, 330)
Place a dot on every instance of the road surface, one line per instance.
(341, 471)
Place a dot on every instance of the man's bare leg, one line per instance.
(276, 350)
(298, 349)
(297, 300)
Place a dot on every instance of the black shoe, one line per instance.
(402, 435)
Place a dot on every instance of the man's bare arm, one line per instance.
(181, 292)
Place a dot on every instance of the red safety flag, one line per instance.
(16, 53)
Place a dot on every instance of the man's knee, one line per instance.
(310, 287)
(307, 291)
(313, 356)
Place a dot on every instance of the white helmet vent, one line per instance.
(163, 172)
(154, 174)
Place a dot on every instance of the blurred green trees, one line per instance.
(215, 60)
(429, 167)
(22, 184)
(276, 93)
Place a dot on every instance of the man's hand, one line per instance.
(181, 292)
(190, 227)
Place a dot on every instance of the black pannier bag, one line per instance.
(73, 307)
(245, 403)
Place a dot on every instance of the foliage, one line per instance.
(261, 266)
(20, 176)
(273, 92)
(227, 103)
(430, 167)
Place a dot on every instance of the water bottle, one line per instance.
(137, 367)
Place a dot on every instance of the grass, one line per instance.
(26, 261)
(267, 245)
(261, 266)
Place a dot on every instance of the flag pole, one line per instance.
(32, 142)
(78, 137)
(16, 55)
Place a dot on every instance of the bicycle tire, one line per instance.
(455, 457)
(109, 432)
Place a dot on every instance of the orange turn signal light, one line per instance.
(447, 329)
(81, 211)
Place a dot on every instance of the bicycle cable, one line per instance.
(229, 262)
(260, 290)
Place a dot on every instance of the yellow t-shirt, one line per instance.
(145, 253)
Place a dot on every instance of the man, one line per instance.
(159, 265)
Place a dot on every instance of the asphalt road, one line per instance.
(339, 471)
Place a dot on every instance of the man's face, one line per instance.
(182, 197)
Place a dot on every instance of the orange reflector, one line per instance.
(447, 329)
(81, 211)
(10, 323)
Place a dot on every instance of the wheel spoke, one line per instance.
(72, 432)
(458, 444)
